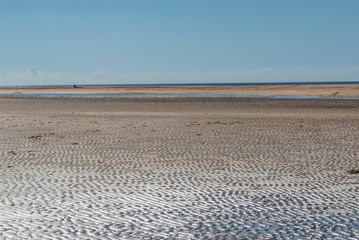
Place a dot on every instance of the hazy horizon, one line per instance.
(166, 42)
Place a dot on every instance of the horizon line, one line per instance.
(193, 84)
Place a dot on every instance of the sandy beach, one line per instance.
(191, 168)
(322, 90)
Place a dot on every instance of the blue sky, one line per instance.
(177, 41)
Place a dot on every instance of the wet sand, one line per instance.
(329, 90)
(217, 168)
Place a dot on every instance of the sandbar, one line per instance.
(322, 90)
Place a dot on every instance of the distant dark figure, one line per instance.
(74, 86)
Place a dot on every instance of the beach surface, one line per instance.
(322, 90)
(179, 168)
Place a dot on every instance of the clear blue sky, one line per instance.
(159, 41)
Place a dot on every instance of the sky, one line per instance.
(55, 42)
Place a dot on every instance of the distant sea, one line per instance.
(232, 84)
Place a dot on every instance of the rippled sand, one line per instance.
(178, 169)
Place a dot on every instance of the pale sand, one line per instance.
(178, 168)
(338, 90)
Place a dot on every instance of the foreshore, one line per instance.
(178, 168)
(322, 90)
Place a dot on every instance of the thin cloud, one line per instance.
(34, 76)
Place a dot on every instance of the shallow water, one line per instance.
(60, 95)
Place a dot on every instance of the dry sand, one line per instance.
(338, 90)
(232, 168)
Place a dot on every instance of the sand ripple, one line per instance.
(171, 177)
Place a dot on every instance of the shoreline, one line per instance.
(196, 106)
